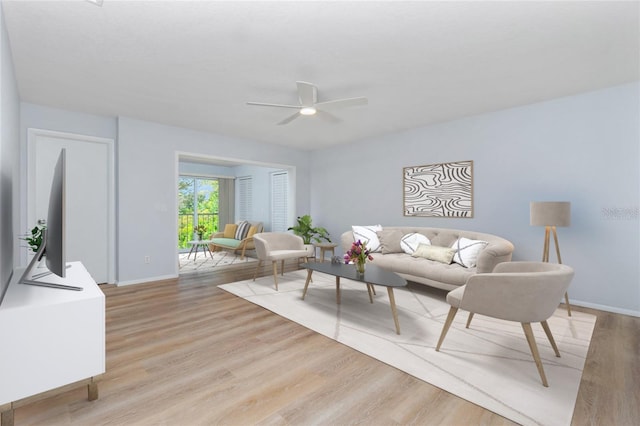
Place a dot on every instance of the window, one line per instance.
(279, 201)
(245, 198)
(197, 205)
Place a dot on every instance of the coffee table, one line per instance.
(373, 275)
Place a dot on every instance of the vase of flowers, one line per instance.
(200, 230)
(358, 254)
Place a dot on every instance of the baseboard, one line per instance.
(605, 308)
(146, 280)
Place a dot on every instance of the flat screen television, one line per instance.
(52, 249)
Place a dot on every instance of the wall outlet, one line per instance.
(147, 259)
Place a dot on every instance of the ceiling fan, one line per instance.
(309, 105)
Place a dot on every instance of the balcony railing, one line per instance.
(186, 225)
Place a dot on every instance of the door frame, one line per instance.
(32, 136)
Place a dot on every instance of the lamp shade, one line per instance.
(550, 213)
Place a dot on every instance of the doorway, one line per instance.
(89, 209)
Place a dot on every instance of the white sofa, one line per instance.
(432, 272)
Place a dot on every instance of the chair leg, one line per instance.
(275, 273)
(528, 332)
(255, 274)
(282, 267)
(547, 330)
(566, 299)
(447, 324)
(469, 319)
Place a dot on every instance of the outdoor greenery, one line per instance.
(305, 230)
(206, 193)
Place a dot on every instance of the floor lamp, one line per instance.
(551, 214)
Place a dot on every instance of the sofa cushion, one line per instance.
(411, 241)
(242, 230)
(452, 274)
(467, 251)
(367, 234)
(437, 253)
(226, 242)
(390, 240)
(230, 230)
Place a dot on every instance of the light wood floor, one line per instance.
(183, 352)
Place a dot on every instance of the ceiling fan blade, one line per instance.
(341, 103)
(289, 119)
(324, 115)
(273, 105)
(308, 93)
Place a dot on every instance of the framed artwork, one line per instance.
(439, 190)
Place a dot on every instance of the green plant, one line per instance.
(35, 239)
(305, 230)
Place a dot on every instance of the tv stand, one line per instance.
(51, 340)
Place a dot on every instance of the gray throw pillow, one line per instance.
(390, 240)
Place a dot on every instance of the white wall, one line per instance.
(9, 149)
(583, 149)
(147, 179)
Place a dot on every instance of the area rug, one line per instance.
(202, 262)
(489, 364)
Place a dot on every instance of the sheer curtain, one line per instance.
(226, 202)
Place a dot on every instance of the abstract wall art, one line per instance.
(439, 190)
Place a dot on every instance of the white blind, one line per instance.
(279, 201)
(245, 198)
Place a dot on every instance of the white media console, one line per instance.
(50, 338)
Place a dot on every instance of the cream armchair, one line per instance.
(278, 246)
(515, 291)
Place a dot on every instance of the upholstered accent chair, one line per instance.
(236, 237)
(525, 292)
(278, 246)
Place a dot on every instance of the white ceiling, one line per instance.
(195, 64)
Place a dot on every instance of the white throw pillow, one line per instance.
(439, 254)
(410, 242)
(367, 234)
(467, 251)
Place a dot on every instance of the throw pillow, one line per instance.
(390, 240)
(439, 254)
(252, 231)
(410, 242)
(467, 251)
(243, 229)
(230, 230)
(367, 234)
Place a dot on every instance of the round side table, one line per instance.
(325, 247)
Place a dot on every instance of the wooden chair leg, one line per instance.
(547, 331)
(528, 332)
(447, 324)
(566, 299)
(469, 319)
(282, 267)
(255, 274)
(275, 273)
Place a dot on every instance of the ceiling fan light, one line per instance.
(308, 111)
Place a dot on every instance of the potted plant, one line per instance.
(309, 233)
(35, 239)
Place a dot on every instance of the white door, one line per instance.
(89, 197)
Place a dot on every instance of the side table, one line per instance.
(325, 247)
(205, 248)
